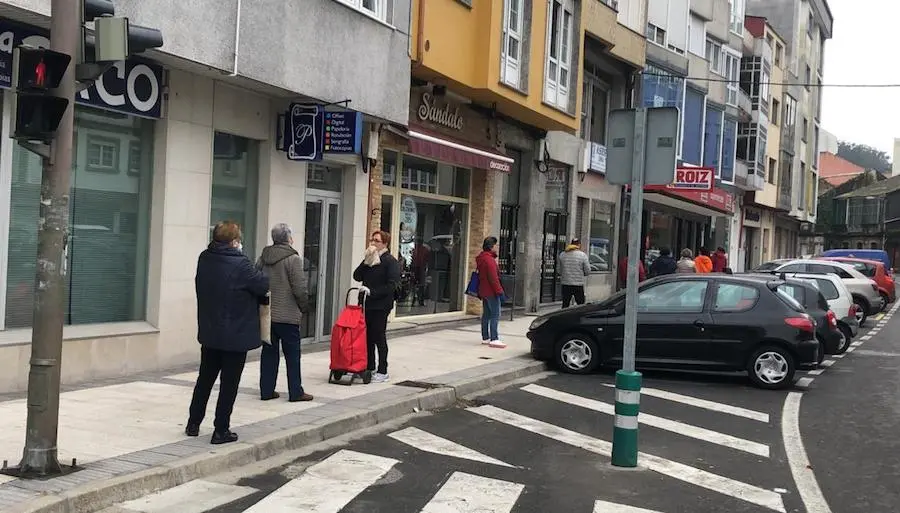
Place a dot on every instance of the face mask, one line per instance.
(240, 247)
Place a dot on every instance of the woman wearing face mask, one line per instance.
(379, 273)
(229, 292)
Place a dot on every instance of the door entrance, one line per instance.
(320, 261)
(553, 244)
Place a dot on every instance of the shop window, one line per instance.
(600, 244)
(109, 219)
(419, 174)
(692, 143)
(235, 185)
(453, 181)
(324, 178)
(389, 169)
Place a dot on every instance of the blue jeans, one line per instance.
(490, 318)
(287, 337)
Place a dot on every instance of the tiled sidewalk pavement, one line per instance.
(128, 435)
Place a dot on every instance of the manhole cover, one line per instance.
(868, 352)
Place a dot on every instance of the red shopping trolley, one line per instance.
(349, 351)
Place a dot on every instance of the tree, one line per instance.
(865, 156)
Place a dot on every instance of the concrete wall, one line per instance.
(316, 48)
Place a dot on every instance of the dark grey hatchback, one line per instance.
(711, 322)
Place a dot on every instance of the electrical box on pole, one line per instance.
(37, 71)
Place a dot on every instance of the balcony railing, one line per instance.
(740, 174)
(744, 102)
(783, 200)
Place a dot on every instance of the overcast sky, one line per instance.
(863, 51)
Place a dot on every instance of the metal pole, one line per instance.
(628, 382)
(40, 454)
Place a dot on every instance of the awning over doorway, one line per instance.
(712, 203)
(451, 152)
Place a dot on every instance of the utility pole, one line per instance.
(40, 454)
(643, 145)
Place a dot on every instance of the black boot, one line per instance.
(223, 437)
(192, 429)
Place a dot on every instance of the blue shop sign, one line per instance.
(133, 86)
(310, 131)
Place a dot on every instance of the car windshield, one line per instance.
(866, 269)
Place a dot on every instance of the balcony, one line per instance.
(788, 133)
(783, 198)
(744, 103)
(755, 182)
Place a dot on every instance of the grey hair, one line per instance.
(281, 233)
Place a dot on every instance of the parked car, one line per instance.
(868, 254)
(770, 265)
(688, 321)
(840, 301)
(864, 290)
(874, 270)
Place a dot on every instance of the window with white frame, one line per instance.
(732, 74)
(715, 57)
(513, 39)
(376, 8)
(560, 18)
(736, 23)
(656, 35)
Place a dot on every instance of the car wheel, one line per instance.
(885, 299)
(862, 310)
(577, 354)
(771, 367)
(846, 337)
(821, 349)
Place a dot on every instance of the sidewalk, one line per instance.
(129, 434)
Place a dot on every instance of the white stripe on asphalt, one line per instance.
(327, 486)
(838, 355)
(192, 497)
(865, 337)
(816, 372)
(612, 507)
(686, 473)
(851, 348)
(804, 382)
(810, 493)
(703, 403)
(425, 441)
(465, 493)
(827, 363)
(690, 430)
(857, 343)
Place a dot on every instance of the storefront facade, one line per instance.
(161, 154)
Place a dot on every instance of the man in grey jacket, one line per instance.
(574, 268)
(289, 301)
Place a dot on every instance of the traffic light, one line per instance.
(116, 38)
(37, 112)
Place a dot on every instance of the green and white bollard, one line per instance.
(625, 433)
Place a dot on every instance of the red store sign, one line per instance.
(716, 199)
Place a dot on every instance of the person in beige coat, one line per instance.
(686, 263)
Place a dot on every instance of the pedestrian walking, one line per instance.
(686, 262)
(491, 293)
(703, 262)
(289, 300)
(719, 260)
(664, 264)
(379, 273)
(229, 291)
(623, 272)
(574, 268)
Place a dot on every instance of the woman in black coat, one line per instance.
(229, 292)
(379, 273)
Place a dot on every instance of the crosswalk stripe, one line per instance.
(703, 403)
(467, 493)
(197, 496)
(686, 473)
(692, 431)
(425, 441)
(612, 507)
(327, 486)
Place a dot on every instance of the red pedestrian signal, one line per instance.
(40, 74)
(38, 68)
(37, 111)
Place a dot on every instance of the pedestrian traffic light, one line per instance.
(37, 112)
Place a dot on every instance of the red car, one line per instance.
(874, 270)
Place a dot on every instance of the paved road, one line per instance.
(709, 444)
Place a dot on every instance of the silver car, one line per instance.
(862, 288)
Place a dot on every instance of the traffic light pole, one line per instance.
(40, 455)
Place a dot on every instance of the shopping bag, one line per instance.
(265, 320)
(472, 288)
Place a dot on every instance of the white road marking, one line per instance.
(865, 337)
(856, 344)
(838, 356)
(810, 493)
(192, 497)
(327, 486)
(425, 441)
(816, 372)
(827, 363)
(703, 403)
(465, 493)
(804, 382)
(690, 430)
(612, 507)
(851, 348)
(686, 473)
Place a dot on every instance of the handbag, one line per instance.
(472, 287)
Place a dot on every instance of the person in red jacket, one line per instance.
(719, 260)
(623, 272)
(491, 293)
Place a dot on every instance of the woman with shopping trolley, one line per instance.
(379, 273)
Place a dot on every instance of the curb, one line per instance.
(98, 495)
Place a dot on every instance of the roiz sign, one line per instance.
(690, 179)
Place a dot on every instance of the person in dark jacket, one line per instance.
(289, 300)
(379, 273)
(491, 293)
(229, 292)
(664, 264)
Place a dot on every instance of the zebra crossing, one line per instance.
(507, 454)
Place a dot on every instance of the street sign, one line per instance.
(657, 158)
(689, 179)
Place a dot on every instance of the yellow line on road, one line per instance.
(878, 317)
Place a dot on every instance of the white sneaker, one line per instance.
(380, 378)
(485, 342)
(497, 344)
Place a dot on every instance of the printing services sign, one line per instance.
(309, 131)
(132, 87)
(690, 179)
